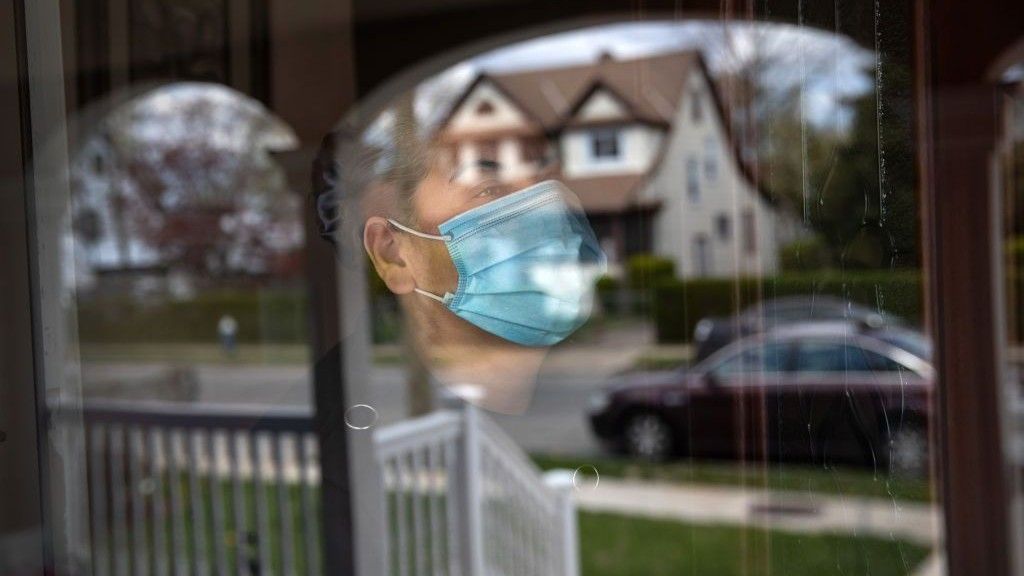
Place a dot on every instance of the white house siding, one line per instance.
(680, 222)
(601, 106)
(638, 145)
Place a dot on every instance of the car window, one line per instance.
(834, 357)
(819, 357)
(759, 358)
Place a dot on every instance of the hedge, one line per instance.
(269, 315)
(647, 270)
(679, 305)
(805, 255)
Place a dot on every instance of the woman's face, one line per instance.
(452, 348)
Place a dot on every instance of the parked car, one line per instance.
(818, 392)
(712, 334)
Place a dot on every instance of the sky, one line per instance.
(833, 68)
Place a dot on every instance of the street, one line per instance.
(554, 422)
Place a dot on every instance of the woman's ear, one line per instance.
(385, 250)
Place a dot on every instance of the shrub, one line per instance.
(646, 271)
(607, 289)
(679, 305)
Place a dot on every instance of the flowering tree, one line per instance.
(183, 177)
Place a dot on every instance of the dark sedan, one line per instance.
(712, 334)
(824, 393)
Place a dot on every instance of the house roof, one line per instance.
(651, 87)
(605, 194)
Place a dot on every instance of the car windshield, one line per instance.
(916, 344)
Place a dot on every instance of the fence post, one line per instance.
(471, 504)
(561, 485)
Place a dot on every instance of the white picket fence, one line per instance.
(209, 490)
(462, 499)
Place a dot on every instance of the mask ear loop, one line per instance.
(414, 232)
(404, 228)
(430, 295)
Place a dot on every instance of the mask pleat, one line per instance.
(535, 252)
(526, 267)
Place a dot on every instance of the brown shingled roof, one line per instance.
(605, 194)
(652, 86)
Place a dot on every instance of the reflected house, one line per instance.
(176, 190)
(644, 143)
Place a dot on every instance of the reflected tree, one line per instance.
(185, 178)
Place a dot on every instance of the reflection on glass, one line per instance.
(778, 370)
(643, 298)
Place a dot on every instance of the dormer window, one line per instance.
(485, 108)
(604, 144)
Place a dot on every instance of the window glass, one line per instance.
(710, 158)
(723, 227)
(605, 144)
(757, 358)
(693, 180)
(832, 357)
(749, 232)
(488, 313)
(822, 357)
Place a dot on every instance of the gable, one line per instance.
(708, 135)
(485, 109)
(602, 105)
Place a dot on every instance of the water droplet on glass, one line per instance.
(361, 417)
(585, 478)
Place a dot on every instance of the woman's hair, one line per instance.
(354, 178)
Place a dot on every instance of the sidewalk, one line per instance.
(805, 512)
(608, 352)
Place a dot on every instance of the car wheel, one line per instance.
(648, 436)
(908, 452)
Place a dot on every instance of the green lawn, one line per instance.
(845, 481)
(615, 545)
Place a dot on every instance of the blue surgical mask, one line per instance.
(526, 262)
